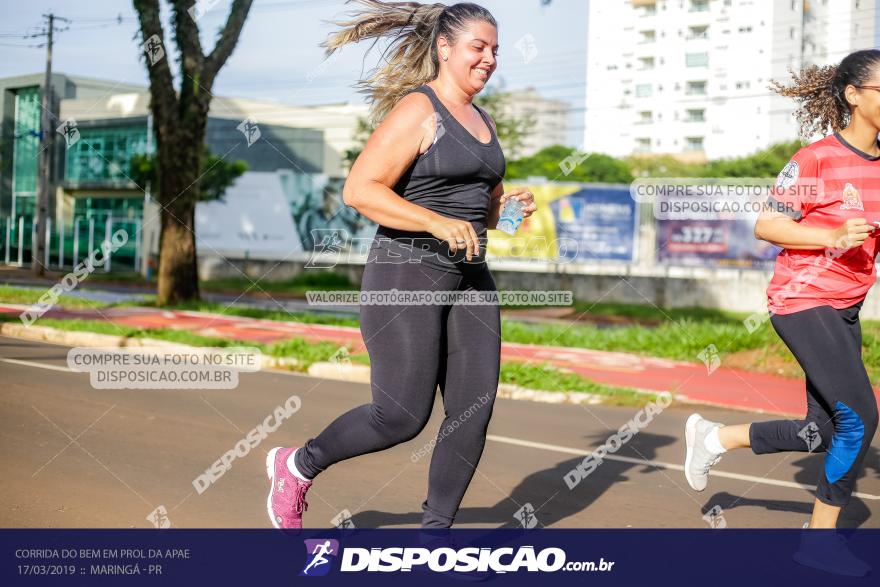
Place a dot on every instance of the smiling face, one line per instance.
(472, 59)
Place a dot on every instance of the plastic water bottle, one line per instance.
(511, 216)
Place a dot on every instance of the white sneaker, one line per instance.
(698, 459)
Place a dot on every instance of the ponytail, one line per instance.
(413, 58)
(821, 92)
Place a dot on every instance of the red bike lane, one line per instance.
(692, 382)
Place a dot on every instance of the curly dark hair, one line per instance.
(820, 91)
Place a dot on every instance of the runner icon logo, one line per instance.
(526, 516)
(810, 434)
(715, 517)
(320, 553)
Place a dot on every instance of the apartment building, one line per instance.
(691, 77)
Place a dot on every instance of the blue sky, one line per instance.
(278, 52)
(278, 49)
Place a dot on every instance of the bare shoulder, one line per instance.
(410, 112)
(409, 122)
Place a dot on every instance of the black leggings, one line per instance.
(413, 349)
(841, 408)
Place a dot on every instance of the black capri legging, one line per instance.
(413, 349)
(841, 408)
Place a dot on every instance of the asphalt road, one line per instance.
(74, 456)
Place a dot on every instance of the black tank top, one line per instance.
(454, 178)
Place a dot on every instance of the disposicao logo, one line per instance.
(320, 553)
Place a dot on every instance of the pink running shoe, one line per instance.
(287, 496)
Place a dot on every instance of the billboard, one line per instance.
(575, 222)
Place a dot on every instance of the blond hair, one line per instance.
(413, 57)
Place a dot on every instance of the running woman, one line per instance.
(823, 214)
(430, 177)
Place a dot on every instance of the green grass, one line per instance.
(541, 377)
(127, 277)
(306, 281)
(304, 352)
(299, 285)
(19, 295)
(103, 327)
(682, 340)
(653, 314)
(260, 314)
(679, 333)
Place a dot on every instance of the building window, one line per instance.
(699, 6)
(645, 117)
(643, 90)
(695, 115)
(698, 32)
(643, 145)
(693, 143)
(647, 36)
(745, 29)
(25, 150)
(646, 63)
(647, 10)
(105, 153)
(695, 88)
(101, 208)
(696, 59)
(743, 85)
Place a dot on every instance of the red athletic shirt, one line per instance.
(822, 186)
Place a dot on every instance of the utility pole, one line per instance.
(47, 143)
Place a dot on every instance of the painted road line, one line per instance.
(662, 465)
(40, 365)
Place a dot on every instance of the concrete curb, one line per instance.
(351, 372)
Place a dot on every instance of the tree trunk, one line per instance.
(180, 119)
(179, 169)
(178, 272)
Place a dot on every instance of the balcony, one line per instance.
(695, 115)
(697, 33)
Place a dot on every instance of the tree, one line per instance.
(218, 176)
(662, 166)
(511, 130)
(180, 118)
(764, 163)
(362, 133)
(561, 163)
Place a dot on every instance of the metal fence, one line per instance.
(68, 245)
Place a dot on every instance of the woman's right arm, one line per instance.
(778, 229)
(389, 152)
(798, 190)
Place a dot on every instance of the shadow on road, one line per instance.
(853, 515)
(545, 490)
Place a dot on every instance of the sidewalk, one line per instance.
(692, 382)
